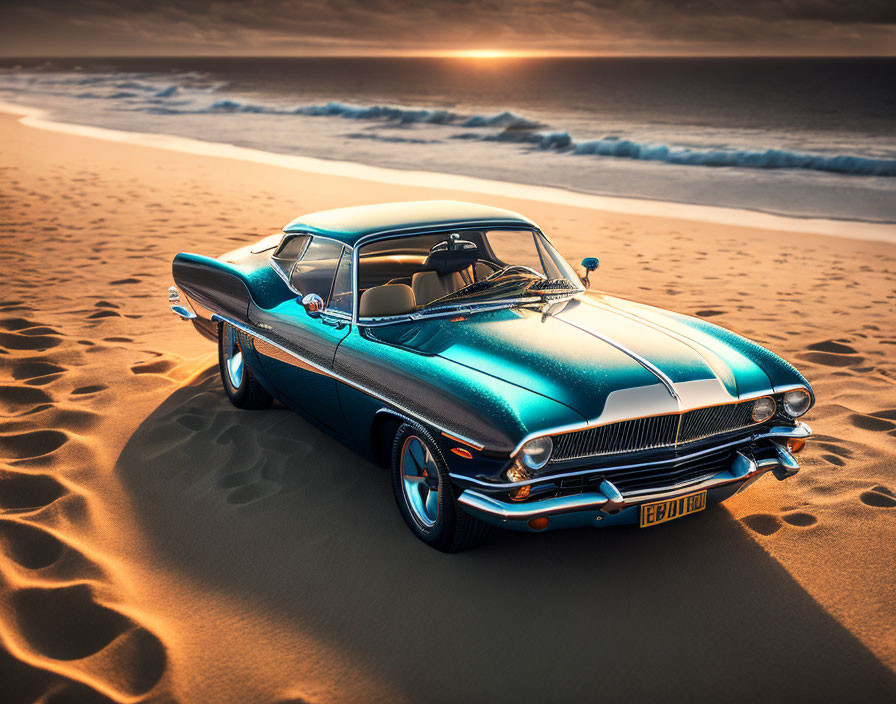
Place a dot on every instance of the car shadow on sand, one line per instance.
(266, 507)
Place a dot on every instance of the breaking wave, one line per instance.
(620, 148)
(384, 113)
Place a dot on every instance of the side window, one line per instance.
(341, 298)
(313, 273)
(288, 252)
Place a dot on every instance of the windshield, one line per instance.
(460, 268)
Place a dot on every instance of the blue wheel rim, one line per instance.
(420, 482)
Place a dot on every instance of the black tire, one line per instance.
(452, 529)
(244, 391)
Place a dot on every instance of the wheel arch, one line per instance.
(386, 422)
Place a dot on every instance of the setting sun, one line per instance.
(483, 54)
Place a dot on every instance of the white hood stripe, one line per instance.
(649, 366)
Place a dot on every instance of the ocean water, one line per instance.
(801, 137)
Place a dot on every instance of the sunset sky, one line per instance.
(487, 28)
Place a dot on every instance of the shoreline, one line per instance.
(716, 215)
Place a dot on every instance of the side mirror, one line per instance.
(590, 264)
(313, 304)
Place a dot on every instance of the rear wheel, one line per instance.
(424, 494)
(242, 387)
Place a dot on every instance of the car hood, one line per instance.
(603, 357)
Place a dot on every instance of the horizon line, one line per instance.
(457, 55)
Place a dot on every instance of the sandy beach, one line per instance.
(160, 545)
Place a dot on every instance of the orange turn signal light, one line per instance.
(796, 444)
(461, 452)
(539, 523)
(521, 493)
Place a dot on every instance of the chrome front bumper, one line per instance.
(608, 501)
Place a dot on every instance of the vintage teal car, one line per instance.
(452, 343)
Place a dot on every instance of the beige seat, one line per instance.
(391, 299)
(428, 285)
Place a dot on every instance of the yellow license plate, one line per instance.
(670, 509)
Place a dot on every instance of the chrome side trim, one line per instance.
(648, 365)
(745, 469)
(801, 430)
(311, 366)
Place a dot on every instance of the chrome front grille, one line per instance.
(653, 432)
(705, 422)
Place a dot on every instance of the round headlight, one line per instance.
(536, 453)
(797, 402)
(763, 409)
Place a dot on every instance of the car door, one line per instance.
(305, 382)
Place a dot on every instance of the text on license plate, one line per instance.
(670, 509)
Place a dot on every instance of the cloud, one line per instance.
(57, 27)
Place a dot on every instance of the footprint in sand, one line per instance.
(34, 368)
(832, 445)
(29, 546)
(24, 334)
(159, 367)
(832, 346)
(870, 422)
(94, 388)
(762, 523)
(195, 422)
(43, 380)
(28, 445)
(104, 314)
(18, 324)
(22, 398)
(800, 519)
(22, 492)
(832, 353)
(15, 341)
(879, 497)
(68, 624)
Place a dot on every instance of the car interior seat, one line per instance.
(430, 285)
(389, 299)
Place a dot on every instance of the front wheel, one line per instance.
(243, 389)
(424, 494)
